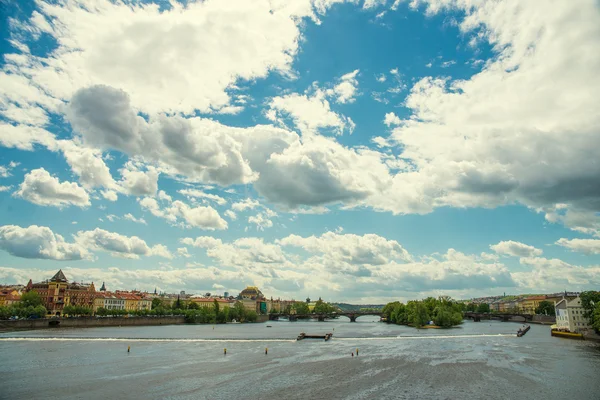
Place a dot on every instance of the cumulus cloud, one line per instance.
(192, 217)
(309, 112)
(345, 91)
(586, 246)
(199, 194)
(391, 119)
(504, 135)
(131, 218)
(119, 245)
(41, 188)
(516, 249)
(39, 242)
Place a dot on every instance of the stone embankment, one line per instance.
(89, 322)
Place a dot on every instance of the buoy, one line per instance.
(352, 354)
(266, 351)
(357, 351)
(225, 352)
(128, 348)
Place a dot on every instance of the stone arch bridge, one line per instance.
(322, 317)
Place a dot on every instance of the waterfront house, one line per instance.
(570, 316)
(57, 292)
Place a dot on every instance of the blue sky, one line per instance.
(354, 150)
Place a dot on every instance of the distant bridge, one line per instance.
(322, 317)
(477, 316)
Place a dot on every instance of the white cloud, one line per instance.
(309, 112)
(391, 119)
(131, 218)
(204, 242)
(139, 183)
(5, 171)
(504, 135)
(39, 187)
(183, 252)
(587, 246)
(262, 220)
(5, 188)
(516, 249)
(246, 204)
(110, 195)
(192, 217)
(39, 242)
(381, 78)
(195, 193)
(119, 245)
(111, 217)
(102, 45)
(447, 64)
(345, 90)
(231, 215)
(88, 165)
(354, 249)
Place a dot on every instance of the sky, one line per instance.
(360, 151)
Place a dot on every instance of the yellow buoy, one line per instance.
(224, 351)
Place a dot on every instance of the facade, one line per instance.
(57, 292)
(109, 301)
(9, 296)
(569, 316)
(529, 304)
(208, 302)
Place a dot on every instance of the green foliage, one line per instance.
(322, 307)
(31, 298)
(192, 305)
(19, 310)
(251, 316)
(596, 318)
(589, 302)
(301, 308)
(483, 308)
(216, 306)
(156, 303)
(471, 307)
(545, 308)
(76, 311)
(444, 312)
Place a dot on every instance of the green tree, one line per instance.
(483, 308)
(472, 307)
(251, 316)
(301, 308)
(589, 301)
(31, 298)
(216, 306)
(239, 311)
(192, 305)
(596, 318)
(545, 308)
(156, 303)
(178, 305)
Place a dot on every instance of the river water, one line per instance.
(475, 361)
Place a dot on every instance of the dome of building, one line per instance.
(251, 292)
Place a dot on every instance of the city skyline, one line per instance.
(210, 146)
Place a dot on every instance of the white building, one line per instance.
(113, 302)
(569, 316)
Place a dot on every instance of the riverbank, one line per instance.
(93, 322)
(88, 322)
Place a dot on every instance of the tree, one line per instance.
(545, 308)
(596, 318)
(31, 298)
(178, 305)
(192, 305)
(483, 308)
(589, 301)
(156, 303)
(216, 306)
(301, 308)
(471, 307)
(251, 316)
(239, 310)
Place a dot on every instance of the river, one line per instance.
(474, 361)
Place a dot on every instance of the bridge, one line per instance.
(352, 315)
(476, 316)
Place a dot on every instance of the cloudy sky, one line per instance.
(356, 150)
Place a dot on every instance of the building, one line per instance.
(251, 293)
(570, 316)
(109, 301)
(207, 302)
(57, 292)
(9, 296)
(528, 305)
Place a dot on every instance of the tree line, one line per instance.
(443, 311)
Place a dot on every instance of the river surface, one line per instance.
(475, 361)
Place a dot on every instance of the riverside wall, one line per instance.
(91, 322)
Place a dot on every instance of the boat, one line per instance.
(269, 326)
(303, 335)
(567, 335)
(522, 332)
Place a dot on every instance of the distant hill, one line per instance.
(356, 307)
